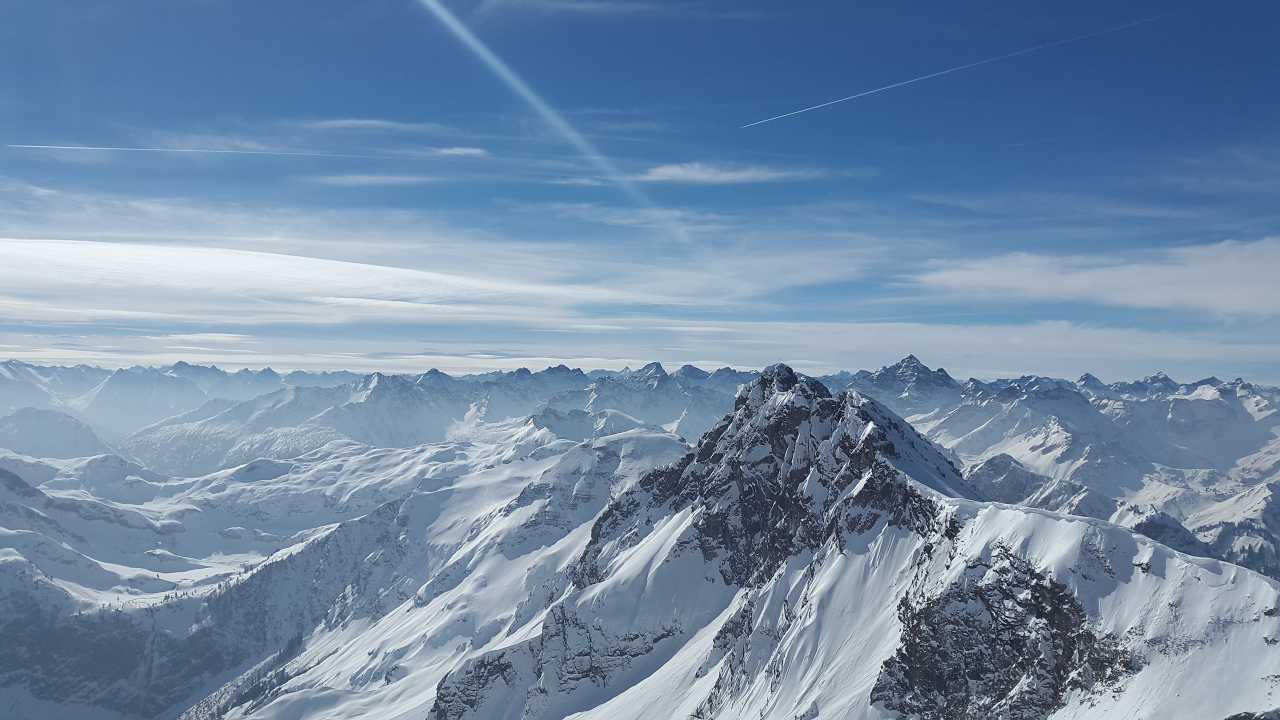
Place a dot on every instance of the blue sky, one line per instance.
(393, 202)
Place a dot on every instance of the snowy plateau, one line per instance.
(183, 542)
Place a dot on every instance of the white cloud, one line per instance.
(1227, 278)
(699, 173)
(352, 285)
(378, 124)
(359, 180)
(462, 152)
(80, 281)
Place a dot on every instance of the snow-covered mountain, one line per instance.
(377, 410)
(812, 556)
(48, 433)
(131, 398)
(686, 404)
(1187, 463)
(215, 382)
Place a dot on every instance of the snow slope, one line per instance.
(48, 433)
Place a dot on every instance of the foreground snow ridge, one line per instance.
(811, 555)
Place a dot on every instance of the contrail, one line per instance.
(214, 151)
(544, 110)
(966, 66)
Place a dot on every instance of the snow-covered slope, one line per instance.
(1086, 447)
(132, 398)
(825, 577)
(26, 385)
(1244, 528)
(378, 410)
(48, 433)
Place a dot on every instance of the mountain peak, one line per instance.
(780, 378)
(691, 372)
(652, 370)
(910, 371)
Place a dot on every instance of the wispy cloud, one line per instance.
(700, 173)
(703, 173)
(378, 124)
(358, 180)
(188, 150)
(1228, 278)
(458, 151)
(635, 217)
(474, 152)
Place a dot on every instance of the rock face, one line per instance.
(1004, 640)
(770, 475)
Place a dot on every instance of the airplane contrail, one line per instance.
(549, 115)
(966, 66)
(215, 151)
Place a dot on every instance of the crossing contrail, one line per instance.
(549, 114)
(214, 151)
(966, 66)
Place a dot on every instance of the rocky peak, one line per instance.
(909, 373)
(560, 370)
(1091, 384)
(785, 469)
(378, 384)
(435, 380)
(653, 370)
(780, 386)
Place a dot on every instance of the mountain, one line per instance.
(26, 385)
(48, 433)
(785, 515)
(222, 433)
(1152, 440)
(215, 576)
(1004, 479)
(1185, 463)
(215, 382)
(20, 388)
(813, 554)
(378, 410)
(908, 385)
(1244, 528)
(132, 398)
(685, 406)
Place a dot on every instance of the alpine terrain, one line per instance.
(186, 542)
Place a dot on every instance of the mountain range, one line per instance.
(186, 542)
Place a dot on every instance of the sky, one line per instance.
(482, 184)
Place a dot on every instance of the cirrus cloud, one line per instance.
(1226, 278)
(701, 173)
